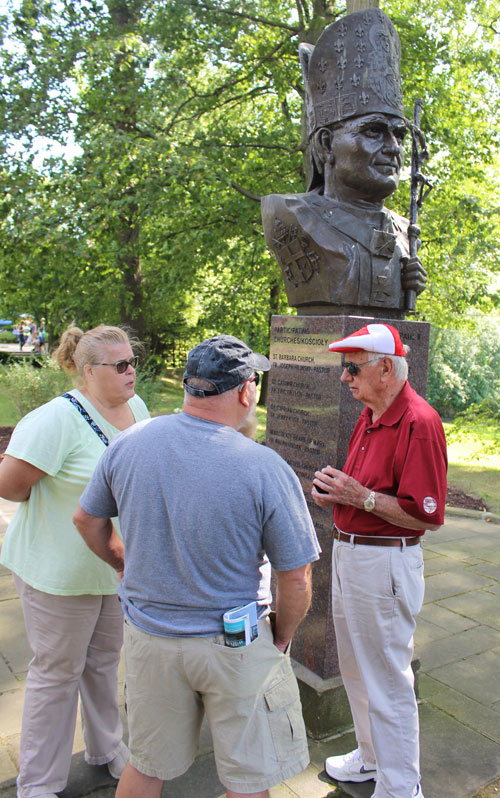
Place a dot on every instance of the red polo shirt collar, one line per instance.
(394, 412)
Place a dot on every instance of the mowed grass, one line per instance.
(471, 468)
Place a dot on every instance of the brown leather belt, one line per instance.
(373, 540)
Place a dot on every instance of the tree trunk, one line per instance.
(359, 5)
(129, 263)
(123, 14)
(274, 300)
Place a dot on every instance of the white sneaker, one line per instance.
(117, 765)
(350, 767)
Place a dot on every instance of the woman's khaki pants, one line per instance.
(76, 642)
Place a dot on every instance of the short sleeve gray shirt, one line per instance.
(204, 512)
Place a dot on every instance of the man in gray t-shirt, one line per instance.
(205, 514)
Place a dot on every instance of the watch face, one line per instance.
(369, 503)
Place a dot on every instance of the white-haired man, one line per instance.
(392, 488)
(205, 512)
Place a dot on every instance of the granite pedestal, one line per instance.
(311, 415)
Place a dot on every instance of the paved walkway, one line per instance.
(28, 349)
(458, 643)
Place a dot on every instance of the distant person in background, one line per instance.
(73, 619)
(42, 337)
(21, 336)
(40, 343)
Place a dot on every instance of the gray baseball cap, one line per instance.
(224, 361)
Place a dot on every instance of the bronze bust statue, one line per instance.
(340, 250)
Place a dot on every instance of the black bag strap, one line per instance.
(98, 431)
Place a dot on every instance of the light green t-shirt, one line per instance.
(42, 545)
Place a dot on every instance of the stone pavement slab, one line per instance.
(447, 620)
(453, 648)
(488, 569)
(475, 677)
(14, 645)
(7, 589)
(442, 564)
(481, 606)
(456, 760)
(466, 710)
(8, 767)
(453, 583)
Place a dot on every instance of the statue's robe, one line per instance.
(333, 254)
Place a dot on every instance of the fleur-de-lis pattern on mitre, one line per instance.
(360, 52)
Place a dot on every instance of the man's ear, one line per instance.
(387, 367)
(243, 395)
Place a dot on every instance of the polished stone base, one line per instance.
(325, 706)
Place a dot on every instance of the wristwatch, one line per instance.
(369, 502)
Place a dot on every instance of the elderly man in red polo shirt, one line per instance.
(392, 488)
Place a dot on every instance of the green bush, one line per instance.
(31, 384)
(146, 386)
(7, 337)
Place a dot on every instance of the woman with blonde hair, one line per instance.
(72, 615)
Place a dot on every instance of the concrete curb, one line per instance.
(477, 515)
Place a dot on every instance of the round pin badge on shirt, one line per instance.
(429, 504)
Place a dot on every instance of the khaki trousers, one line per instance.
(377, 593)
(76, 642)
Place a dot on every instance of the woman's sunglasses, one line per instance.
(122, 365)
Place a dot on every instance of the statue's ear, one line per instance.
(324, 137)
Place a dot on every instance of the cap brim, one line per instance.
(259, 362)
(340, 346)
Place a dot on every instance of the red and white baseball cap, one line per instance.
(381, 338)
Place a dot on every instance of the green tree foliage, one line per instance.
(185, 112)
(464, 368)
(451, 53)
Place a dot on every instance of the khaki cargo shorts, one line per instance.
(249, 694)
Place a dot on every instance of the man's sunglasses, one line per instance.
(353, 368)
(122, 365)
(255, 379)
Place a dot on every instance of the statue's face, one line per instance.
(367, 158)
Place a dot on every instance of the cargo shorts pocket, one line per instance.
(284, 714)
